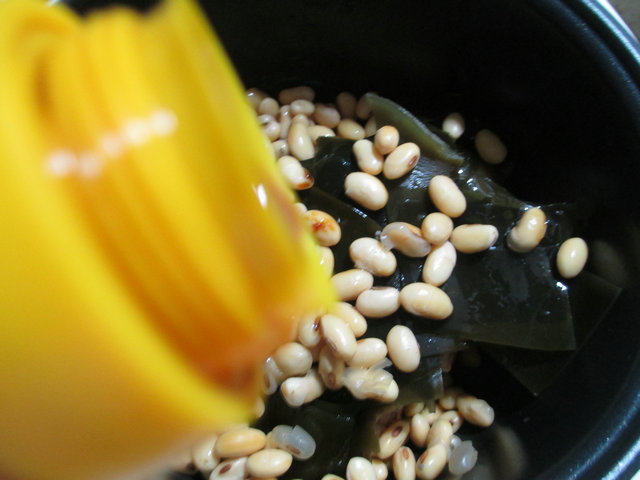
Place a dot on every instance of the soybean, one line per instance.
(280, 148)
(302, 107)
(255, 96)
(366, 190)
(404, 464)
(369, 352)
(386, 139)
(439, 264)
(203, 455)
(453, 124)
(490, 147)
(392, 439)
(360, 468)
(294, 173)
(297, 391)
(446, 196)
(368, 158)
(338, 336)
(369, 254)
(351, 283)
(269, 106)
(382, 472)
(293, 359)
(326, 115)
(309, 331)
(403, 347)
(419, 430)
(426, 301)
(324, 227)
(431, 462)
(363, 109)
(351, 129)
(239, 443)
(475, 410)
(235, 469)
(528, 232)
(401, 161)
(300, 144)
(346, 103)
(318, 131)
(370, 127)
(351, 316)
(474, 238)
(572, 257)
(326, 259)
(437, 228)
(331, 368)
(378, 302)
(270, 462)
(406, 238)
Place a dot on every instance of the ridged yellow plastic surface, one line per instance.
(150, 255)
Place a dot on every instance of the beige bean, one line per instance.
(331, 476)
(404, 464)
(419, 430)
(294, 173)
(360, 468)
(326, 115)
(370, 127)
(431, 463)
(255, 96)
(302, 107)
(203, 455)
(382, 472)
(270, 462)
(405, 238)
(363, 109)
(235, 469)
(426, 300)
(475, 411)
(280, 148)
(454, 418)
(271, 367)
(528, 232)
(318, 131)
(240, 443)
(300, 144)
(394, 436)
(351, 283)
(378, 302)
(369, 254)
(366, 190)
(386, 139)
(309, 331)
(474, 238)
(338, 336)
(324, 227)
(285, 118)
(297, 391)
(293, 359)
(446, 196)
(289, 95)
(572, 257)
(369, 160)
(272, 130)
(331, 368)
(269, 106)
(401, 161)
(326, 259)
(439, 264)
(490, 147)
(453, 124)
(449, 396)
(351, 316)
(412, 409)
(346, 103)
(430, 416)
(404, 350)
(373, 383)
(369, 352)
(437, 228)
(351, 129)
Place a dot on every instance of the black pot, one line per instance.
(560, 82)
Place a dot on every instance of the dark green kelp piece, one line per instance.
(591, 298)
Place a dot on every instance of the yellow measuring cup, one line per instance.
(150, 255)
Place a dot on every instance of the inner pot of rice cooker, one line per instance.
(560, 82)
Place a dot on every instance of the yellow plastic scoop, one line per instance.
(150, 254)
